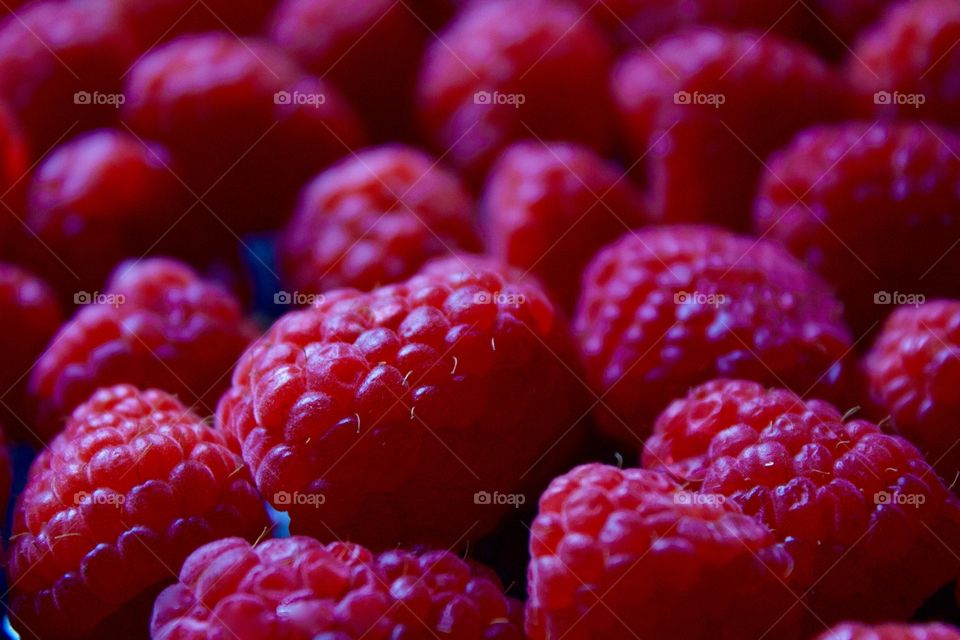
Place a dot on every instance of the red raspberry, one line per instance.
(511, 69)
(158, 324)
(245, 123)
(339, 590)
(697, 109)
(872, 207)
(29, 316)
(549, 208)
(667, 308)
(371, 52)
(61, 62)
(891, 631)
(856, 509)
(373, 219)
(132, 486)
(627, 553)
(156, 20)
(907, 65)
(913, 371)
(409, 401)
(13, 169)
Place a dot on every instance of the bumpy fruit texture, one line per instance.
(630, 553)
(370, 414)
(505, 70)
(112, 508)
(373, 219)
(158, 324)
(340, 590)
(872, 207)
(891, 631)
(856, 509)
(913, 370)
(697, 110)
(157, 20)
(548, 208)
(667, 308)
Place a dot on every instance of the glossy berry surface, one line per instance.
(891, 631)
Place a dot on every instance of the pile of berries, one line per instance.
(480, 319)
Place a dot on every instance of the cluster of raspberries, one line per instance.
(480, 319)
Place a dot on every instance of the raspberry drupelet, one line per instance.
(156, 20)
(891, 631)
(339, 590)
(112, 508)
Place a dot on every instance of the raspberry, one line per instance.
(447, 393)
(664, 309)
(891, 631)
(913, 372)
(549, 208)
(156, 20)
(29, 316)
(510, 69)
(131, 487)
(60, 67)
(13, 168)
(340, 590)
(697, 107)
(856, 509)
(907, 66)
(370, 52)
(871, 207)
(244, 122)
(624, 553)
(375, 218)
(158, 325)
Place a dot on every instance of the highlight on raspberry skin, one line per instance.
(891, 631)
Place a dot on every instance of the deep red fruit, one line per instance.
(370, 52)
(697, 109)
(244, 122)
(907, 65)
(891, 631)
(61, 64)
(913, 371)
(629, 553)
(504, 70)
(6, 478)
(368, 415)
(856, 509)
(112, 508)
(375, 218)
(549, 208)
(157, 20)
(665, 309)
(339, 590)
(157, 325)
(874, 208)
(13, 172)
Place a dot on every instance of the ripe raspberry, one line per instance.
(667, 308)
(913, 370)
(891, 631)
(375, 218)
(370, 52)
(157, 325)
(242, 120)
(697, 109)
(907, 65)
(59, 63)
(549, 208)
(393, 406)
(339, 590)
(627, 553)
(856, 509)
(510, 69)
(131, 487)
(13, 167)
(155, 20)
(872, 207)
